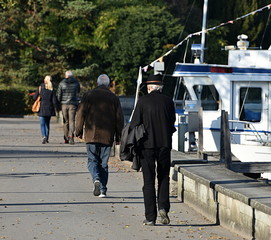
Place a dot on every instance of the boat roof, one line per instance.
(242, 62)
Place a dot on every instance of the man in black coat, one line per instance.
(67, 94)
(157, 113)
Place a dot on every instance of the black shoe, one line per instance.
(96, 190)
(164, 217)
(66, 140)
(148, 223)
(43, 140)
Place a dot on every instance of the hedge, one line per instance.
(16, 101)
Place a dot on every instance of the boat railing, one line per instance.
(251, 127)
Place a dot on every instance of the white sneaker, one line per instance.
(102, 195)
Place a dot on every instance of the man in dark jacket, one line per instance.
(67, 95)
(157, 113)
(100, 114)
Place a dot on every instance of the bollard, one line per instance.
(182, 130)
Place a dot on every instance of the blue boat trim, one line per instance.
(199, 69)
(236, 130)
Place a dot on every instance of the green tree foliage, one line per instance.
(41, 37)
(45, 37)
(90, 37)
(133, 36)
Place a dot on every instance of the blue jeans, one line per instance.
(45, 126)
(98, 155)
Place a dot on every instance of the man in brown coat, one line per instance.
(100, 114)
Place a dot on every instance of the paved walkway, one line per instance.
(46, 193)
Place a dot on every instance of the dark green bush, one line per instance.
(16, 101)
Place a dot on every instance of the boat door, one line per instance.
(250, 103)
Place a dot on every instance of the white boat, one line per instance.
(243, 89)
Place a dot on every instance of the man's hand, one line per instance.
(79, 135)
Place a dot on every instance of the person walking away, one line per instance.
(157, 114)
(48, 105)
(67, 94)
(100, 114)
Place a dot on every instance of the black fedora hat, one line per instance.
(155, 79)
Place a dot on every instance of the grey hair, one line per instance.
(153, 87)
(69, 74)
(103, 80)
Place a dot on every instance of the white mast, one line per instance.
(205, 7)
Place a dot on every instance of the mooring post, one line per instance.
(222, 148)
(200, 140)
(225, 141)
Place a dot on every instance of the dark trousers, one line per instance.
(68, 112)
(152, 161)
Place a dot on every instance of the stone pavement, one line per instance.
(46, 193)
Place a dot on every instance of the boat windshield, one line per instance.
(208, 96)
(250, 104)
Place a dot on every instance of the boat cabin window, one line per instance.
(250, 104)
(208, 96)
(181, 94)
